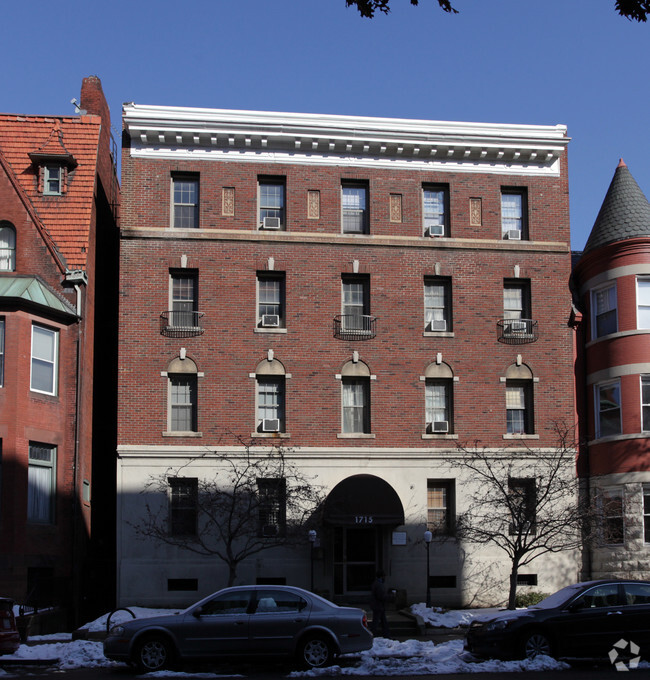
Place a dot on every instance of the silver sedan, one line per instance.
(240, 621)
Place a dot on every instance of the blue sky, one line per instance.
(502, 61)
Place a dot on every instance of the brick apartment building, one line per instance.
(58, 202)
(611, 282)
(369, 293)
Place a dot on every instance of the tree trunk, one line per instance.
(232, 574)
(512, 595)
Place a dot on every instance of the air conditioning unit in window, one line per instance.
(270, 320)
(516, 327)
(269, 530)
(271, 223)
(512, 235)
(270, 425)
(438, 325)
(435, 230)
(440, 426)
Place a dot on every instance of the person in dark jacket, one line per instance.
(378, 594)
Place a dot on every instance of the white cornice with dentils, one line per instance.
(179, 133)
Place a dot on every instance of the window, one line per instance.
(514, 211)
(184, 299)
(270, 299)
(356, 303)
(608, 409)
(434, 209)
(271, 201)
(7, 247)
(516, 300)
(643, 302)
(612, 504)
(645, 402)
(355, 208)
(182, 402)
(2, 352)
(440, 506)
(44, 360)
(603, 305)
(52, 180)
(270, 403)
(521, 503)
(272, 506)
(183, 506)
(356, 405)
(438, 406)
(437, 304)
(185, 191)
(519, 412)
(646, 514)
(41, 483)
(278, 602)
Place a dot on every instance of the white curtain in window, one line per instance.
(7, 249)
(436, 403)
(511, 211)
(353, 406)
(39, 493)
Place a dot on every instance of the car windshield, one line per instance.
(559, 598)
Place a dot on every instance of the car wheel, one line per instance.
(154, 653)
(316, 652)
(536, 643)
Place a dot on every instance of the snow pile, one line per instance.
(77, 654)
(442, 618)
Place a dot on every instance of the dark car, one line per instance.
(9, 637)
(582, 621)
(240, 621)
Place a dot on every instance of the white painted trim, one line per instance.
(614, 372)
(614, 273)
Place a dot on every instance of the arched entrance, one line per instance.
(360, 510)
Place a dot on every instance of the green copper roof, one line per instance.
(31, 289)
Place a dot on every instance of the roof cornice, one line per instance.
(169, 130)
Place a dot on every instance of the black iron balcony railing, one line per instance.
(354, 326)
(175, 324)
(516, 331)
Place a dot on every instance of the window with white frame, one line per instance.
(183, 402)
(646, 514)
(270, 299)
(643, 302)
(437, 304)
(354, 201)
(438, 401)
(270, 403)
(435, 199)
(7, 247)
(53, 180)
(271, 203)
(612, 504)
(603, 306)
(183, 506)
(41, 483)
(272, 494)
(2, 352)
(45, 348)
(185, 202)
(514, 214)
(184, 299)
(355, 405)
(440, 506)
(519, 407)
(645, 403)
(608, 409)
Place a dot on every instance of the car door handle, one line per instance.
(240, 623)
(298, 620)
(610, 613)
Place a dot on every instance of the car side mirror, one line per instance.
(197, 612)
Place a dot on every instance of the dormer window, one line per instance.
(53, 180)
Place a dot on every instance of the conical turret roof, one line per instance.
(624, 214)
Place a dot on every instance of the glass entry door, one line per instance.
(357, 554)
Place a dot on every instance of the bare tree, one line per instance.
(253, 500)
(525, 503)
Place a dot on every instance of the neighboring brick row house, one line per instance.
(369, 293)
(611, 283)
(58, 257)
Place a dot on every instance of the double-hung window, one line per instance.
(608, 409)
(270, 299)
(355, 307)
(514, 214)
(183, 506)
(438, 401)
(272, 494)
(272, 204)
(440, 506)
(45, 348)
(41, 483)
(522, 505)
(519, 407)
(612, 502)
(53, 180)
(643, 302)
(185, 197)
(437, 304)
(354, 200)
(603, 305)
(184, 299)
(270, 403)
(356, 405)
(645, 403)
(435, 200)
(183, 402)
(7, 247)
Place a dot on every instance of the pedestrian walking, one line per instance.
(378, 595)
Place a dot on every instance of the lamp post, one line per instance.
(428, 536)
(313, 537)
